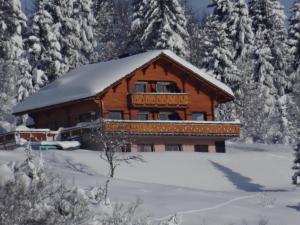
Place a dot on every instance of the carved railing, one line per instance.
(189, 128)
(181, 100)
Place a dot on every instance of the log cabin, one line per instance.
(165, 102)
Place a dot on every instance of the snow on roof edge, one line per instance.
(149, 56)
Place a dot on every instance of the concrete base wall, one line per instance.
(187, 144)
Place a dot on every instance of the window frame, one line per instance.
(201, 150)
(204, 114)
(164, 85)
(152, 149)
(116, 111)
(143, 113)
(145, 83)
(173, 145)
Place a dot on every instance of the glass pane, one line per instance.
(145, 148)
(201, 148)
(115, 115)
(199, 116)
(163, 116)
(173, 147)
(140, 87)
(142, 116)
(160, 87)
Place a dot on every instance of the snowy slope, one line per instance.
(249, 182)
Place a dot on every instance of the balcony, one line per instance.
(166, 100)
(179, 128)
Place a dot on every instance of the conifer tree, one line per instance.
(294, 35)
(161, 25)
(112, 29)
(227, 36)
(16, 81)
(43, 47)
(75, 22)
(271, 42)
(296, 167)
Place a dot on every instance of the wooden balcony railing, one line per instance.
(171, 100)
(183, 128)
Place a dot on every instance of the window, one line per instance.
(173, 147)
(145, 148)
(166, 87)
(220, 146)
(141, 86)
(168, 116)
(143, 116)
(199, 116)
(201, 148)
(87, 117)
(115, 115)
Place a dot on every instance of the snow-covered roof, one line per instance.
(89, 80)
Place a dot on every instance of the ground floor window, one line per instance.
(115, 115)
(220, 146)
(201, 148)
(87, 117)
(173, 147)
(199, 116)
(143, 116)
(145, 148)
(168, 116)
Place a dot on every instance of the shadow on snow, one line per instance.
(238, 180)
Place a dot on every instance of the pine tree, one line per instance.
(296, 167)
(44, 47)
(227, 36)
(271, 54)
(14, 68)
(294, 35)
(112, 29)
(104, 33)
(271, 41)
(75, 21)
(161, 25)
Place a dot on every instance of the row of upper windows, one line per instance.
(160, 87)
(170, 115)
(143, 115)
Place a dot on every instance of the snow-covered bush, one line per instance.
(173, 220)
(124, 215)
(29, 196)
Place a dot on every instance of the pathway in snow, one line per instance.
(209, 208)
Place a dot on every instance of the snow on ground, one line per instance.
(248, 183)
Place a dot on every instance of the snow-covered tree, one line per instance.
(113, 146)
(296, 167)
(271, 55)
(160, 25)
(43, 47)
(104, 32)
(7, 95)
(75, 21)
(294, 35)
(30, 196)
(15, 69)
(271, 44)
(227, 36)
(112, 29)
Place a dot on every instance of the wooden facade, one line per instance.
(159, 90)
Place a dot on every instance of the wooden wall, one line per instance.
(118, 98)
(202, 100)
(63, 116)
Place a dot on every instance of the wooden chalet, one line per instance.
(164, 101)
